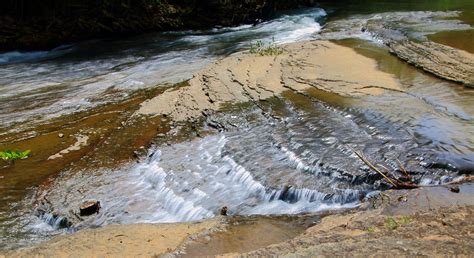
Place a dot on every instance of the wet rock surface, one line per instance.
(265, 135)
(280, 157)
(426, 221)
(245, 77)
(119, 240)
(88, 208)
(405, 34)
(443, 61)
(429, 221)
(288, 150)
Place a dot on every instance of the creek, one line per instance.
(290, 155)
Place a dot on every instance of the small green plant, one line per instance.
(14, 155)
(391, 224)
(404, 220)
(263, 49)
(370, 229)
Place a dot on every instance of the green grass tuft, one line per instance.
(391, 224)
(263, 49)
(404, 220)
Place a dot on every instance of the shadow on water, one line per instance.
(457, 39)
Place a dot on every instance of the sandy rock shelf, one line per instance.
(245, 77)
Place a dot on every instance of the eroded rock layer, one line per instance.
(247, 77)
(443, 61)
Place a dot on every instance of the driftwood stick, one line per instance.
(386, 170)
(465, 179)
(403, 185)
(361, 157)
(402, 168)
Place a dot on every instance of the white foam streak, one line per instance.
(187, 182)
(298, 162)
(242, 176)
(178, 207)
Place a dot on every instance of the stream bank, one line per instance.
(408, 35)
(426, 221)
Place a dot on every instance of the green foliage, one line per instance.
(404, 220)
(371, 229)
(14, 155)
(262, 49)
(391, 224)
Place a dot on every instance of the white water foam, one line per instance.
(16, 56)
(188, 182)
(285, 29)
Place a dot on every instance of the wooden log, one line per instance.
(224, 211)
(88, 208)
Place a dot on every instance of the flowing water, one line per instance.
(291, 155)
(41, 85)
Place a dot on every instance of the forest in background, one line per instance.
(33, 24)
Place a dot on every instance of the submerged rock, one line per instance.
(454, 189)
(443, 61)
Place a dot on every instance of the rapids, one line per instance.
(290, 155)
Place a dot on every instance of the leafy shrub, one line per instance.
(14, 155)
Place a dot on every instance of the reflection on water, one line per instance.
(344, 8)
(357, 13)
(436, 109)
(457, 39)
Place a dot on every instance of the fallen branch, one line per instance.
(461, 180)
(394, 182)
(387, 171)
(361, 157)
(402, 168)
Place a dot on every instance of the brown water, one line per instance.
(245, 234)
(457, 39)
